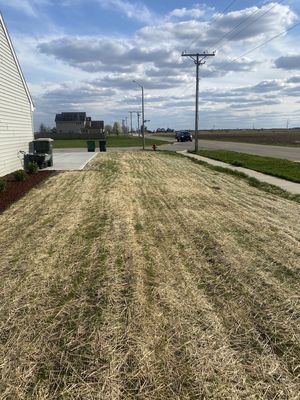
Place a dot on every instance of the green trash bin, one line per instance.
(91, 145)
(102, 145)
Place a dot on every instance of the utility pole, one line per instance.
(138, 118)
(143, 113)
(131, 112)
(143, 118)
(199, 59)
(138, 115)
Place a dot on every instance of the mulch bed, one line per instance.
(15, 190)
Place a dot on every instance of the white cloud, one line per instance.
(187, 12)
(95, 54)
(253, 23)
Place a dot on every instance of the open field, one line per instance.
(273, 166)
(112, 141)
(278, 137)
(148, 276)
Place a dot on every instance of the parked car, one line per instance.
(183, 136)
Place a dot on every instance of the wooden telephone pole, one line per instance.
(199, 59)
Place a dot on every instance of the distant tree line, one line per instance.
(45, 129)
(115, 129)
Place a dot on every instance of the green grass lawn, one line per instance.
(112, 141)
(273, 166)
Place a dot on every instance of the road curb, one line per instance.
(86, 162)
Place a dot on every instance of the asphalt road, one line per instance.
(288, 153)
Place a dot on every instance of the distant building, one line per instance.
(77, 122)
(16, 106)
(94, 128)
(71, 122)
(88, 122)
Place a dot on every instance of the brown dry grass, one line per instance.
(149, 277)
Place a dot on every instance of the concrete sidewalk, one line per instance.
(75, 159)
(291, 187)
(70, 161)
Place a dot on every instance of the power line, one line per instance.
(223, 12)
(264, 43)
(227, 35)
(257, 47)
(234, 28)
(227, 8)
(214, 19)
(251, 22)
(211, 22)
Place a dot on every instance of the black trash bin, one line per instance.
(102, 145)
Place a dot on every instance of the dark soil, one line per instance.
(15, 190)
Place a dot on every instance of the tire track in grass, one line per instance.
(113, 337)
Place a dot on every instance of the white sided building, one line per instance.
(16, 107)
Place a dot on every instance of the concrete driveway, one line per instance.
(68, 160)
(288, 153)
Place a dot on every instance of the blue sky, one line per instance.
(83, 55)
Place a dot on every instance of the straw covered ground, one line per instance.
(147, 276)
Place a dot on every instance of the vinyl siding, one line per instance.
(16, 129)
